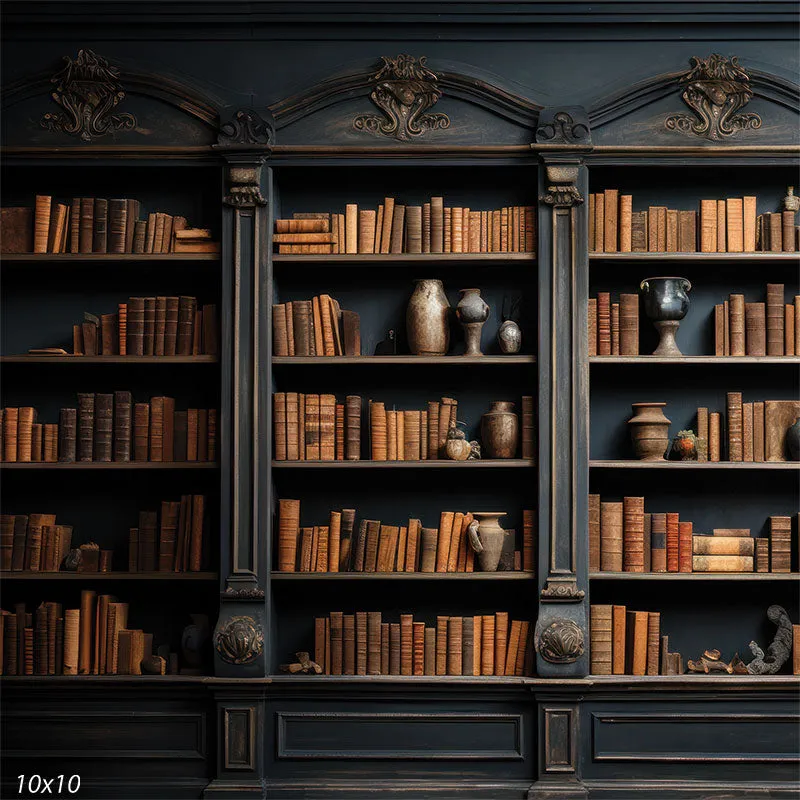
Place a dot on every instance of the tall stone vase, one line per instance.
(500, 430)
(428, 319)
(649, 431)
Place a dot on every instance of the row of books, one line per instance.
(614, 327)
(754, 431)
(149, 326)
(624, 538)
(316, 327)
(396, 228)
(757, 329)
(314, 427)
(363, 644)
(110, 427)
(97, 225)
(627, 642)
(34, 542)
(91, 640)
(720, 226)
(375, 547)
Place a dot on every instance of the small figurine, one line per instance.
(710, 662)
(684, 447)
(779, 651)
(474, 451)
(72, 560)
(303, 664)
(456, 447)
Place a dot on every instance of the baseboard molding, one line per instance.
(153, 789)
(408, 790)
(690, 790)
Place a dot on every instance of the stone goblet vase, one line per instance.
(666, 303)
(427, 319)
(649, 431)
(486, 538)
(472, 312)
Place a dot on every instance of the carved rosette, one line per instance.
(88, 90)
(564, 196)
(404, 90)
(716, 89)
(240, 640)
(560, 642)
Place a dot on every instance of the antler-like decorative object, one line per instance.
(710, 661)
(88, 90)
(778, 652)
(404, 91)
(715, 88)
(303, 664)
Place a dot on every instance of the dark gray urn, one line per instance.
(666, 303)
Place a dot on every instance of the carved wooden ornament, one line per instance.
(561, 642)
(404, 91)
(88, 90)
(716, 88)
(240, 640)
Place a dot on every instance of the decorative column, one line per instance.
(240, 646)
(561, 635)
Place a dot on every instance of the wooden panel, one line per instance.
(559, 739)
(440, 737)
(239, 747)
(695, 737)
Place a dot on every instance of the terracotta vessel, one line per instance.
(509, 337)
(500, 431)
(427, 319)
(666, 303)
(649, 431)
(472, 312)
(486, 538)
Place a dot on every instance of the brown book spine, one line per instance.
(103, 426)
(734, 213)
(625, 223)
(123, 405)
(714, 436)
(629, 325)
(528, 431)
(600, 639)
(633, 534)
(429, 544)
(673, 542)
(394, 648)
(653, 642)
(441, 645)
(67, 435)
(85, 426)
(708, 226)
(747, 432)
(787, 231)
(406, 644)
(735, 426)
(327, 427)
(636, 629)
(135, 326)
(722, 564)
(594, 533)
(775, 319)
(377, 416)
(352, 428)
(10, 434)
(611, 216)
(348, 644)
(611, 537)
(604, 323)
(658, 542)
(288, 532)
(736, 321)
(618, 629)
(398, 227)
(455, 627)
(755, 324)
(87, 631)
(100, 229)
(528, 540)
(780, 535)
(722, 228)
(615, 329)
(41, 223)
(789, 331)
(684, 546)
(592, 324)
(26, 416)
(186, 314)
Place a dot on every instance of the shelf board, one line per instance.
(128, 360)
(705, 360)
(757, 258)
(403, 576)
(694, 576)
(680, 465)
(400, 258)
(110, 465)
(321, 361)
(136, 258)
(108, 576)
(498, 463)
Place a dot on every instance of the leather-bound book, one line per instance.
(160, 326)
(736, 319)
(437, 225)
(787, 231)
(780, 537)
(789, 333)
(385, 643)
(371, 545)
(500, 642)
(361, 642)
(673, 538)
(352, 428)
(658, 543)
(37, 442)
(735, 224)
(167, 238)
(719, 330)
(429, 545)
(625, 223)
(684, 546)
(455, 630)
(591, 230)
(747, 432)
(86, 225)
(141, 431)
(28, 649)
(135, 342)
(286, 425)
(398, 219)
(722, 228)
(103, 426)
(359, 547)
(377, 418)
(394, 648)
(673, 232)
(795, 649)
(600, 639)
(117, 224)
(58, 228)
(26, 416)
(406, 644)
(775, 319)
(594, 533)
(412, 439)
(528, 540)
(418, 648)
(528, 432)
(167, 536)
(414, 229)
(180, 435)
(615, 329)
(6, 541)
(16, 224)
(639, 226)
(280, 340)
(139, 243)
(714, 436)
(33, 541)
(610, 220)
(468, 649)
(171, 326)
(89, 338)
(148, 522)
(445, 534)
(749, 224)
(387, 548)
(279, 423)
(618, 627)
(186, 310)
(351, 333)
(611, 537)
(132, 209)
(708, 226)
(40, 649)
(210, 330)
(288, 532)
(633, 534)
(592, 324)
(312, 429)
(735, 426)
(412, 545)
(604, 323)
(722, 564)
(758, 432)
(351, 228)
(41, 223)
(374, 632)
(87, 631)
(755, 324)
(316, 334)
(157, 428)
(100, 228)
(514, 635)
(327, 427)
(108, 335)
(629, 325)
(67, 435)
(197, 529)
(524, 661)
(85, 426)
(10, 434)
(779, 416)
(441, 645)
(456, 230)
(723, 545)
(687, 231)
(306, 561)
(637, 623)
(433, 429)
(457, 536)
(653, 642)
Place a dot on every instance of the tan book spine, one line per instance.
(594, 533)
(437, 224)
(722, 563)
(789, 333)
(726, 338)
(351, 228)
(412, 448)
(87, 632)
(377, 415)
(386, 231)
(600, 638)
(747, 432)
(445, 533)
(758, 432)
(348, 644)
(755, 326)
(774, 223)
(418, 648)
(749, 224)
(455, 541)
(714, 436)
(653, 642)
(795, 649)
(455, 630)
(788, 231)
(591, 233)
(279, 420)
(399, 561)
(456, 230)
(615, 329)
(672, 240)
(426, 228)
(625, 223)
(367, 222)
(734, 212)
(599, 222)
(288, 532)
(737, 324)
(611, 527)
(618, 628)
(500, 642)
(633, 534)
(474, 243)
(592, 323)
(441, 645)
(628, 325)
(708, 226)
(722, 228)
(523, 649)
(604, 323)
(487, 644)
(513, 646)
(723, 546)
(413, 546)
(797, 325)
(735, 426)
(400, 434)
(611, 205)
(636, 644)
(775, 319)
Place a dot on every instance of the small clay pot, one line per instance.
(500, 431)
(649, 431)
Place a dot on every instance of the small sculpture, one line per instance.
(780, 649)
(666, 303)
(472, 312)
(303, 664)
(509, 335)
(456, 447)
(474, 451)
(791, 202)
(684, 447)
(72, 560)
(710, 661)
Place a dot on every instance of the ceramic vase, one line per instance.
(472, 312)
(666, 303)
(793, 440)
(649, 431)
(427, 319)
(500, 431)
(509, 337)
(486, 538)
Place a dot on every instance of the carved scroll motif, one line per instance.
(716, 89)
(562, 129)
(246, 127)
(88, 90)
(565, 195)
(240, 640)
(561, 642)
(404, 90)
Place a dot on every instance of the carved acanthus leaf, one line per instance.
(561, 641)
(239, 640)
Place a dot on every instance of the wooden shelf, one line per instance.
(72, 258)
(108, 576)
(704, 360)
(403, 576)
(321, 361)
(688, 465)
(752, 258)
(499, 463)
(409, 258)
(695, 576)
(128, 360)
(110, 465)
